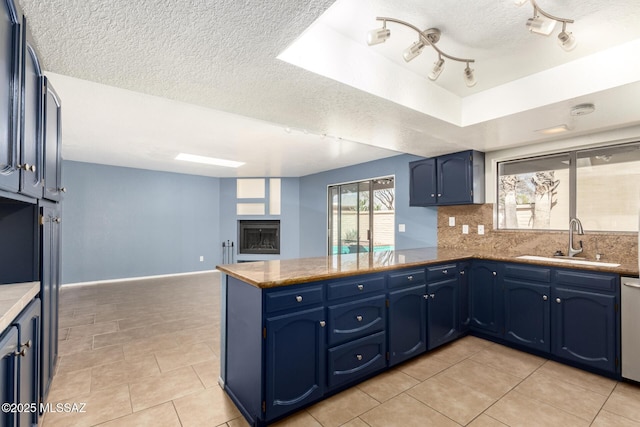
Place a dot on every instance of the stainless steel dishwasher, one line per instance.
(630, 324)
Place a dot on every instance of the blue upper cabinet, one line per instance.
(10, 35)
(52, 132)
(31, 144)
(453, 179)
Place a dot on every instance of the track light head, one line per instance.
(540, 25)
(379, 35)
(469, 77)
(438, 66)
(413, 51)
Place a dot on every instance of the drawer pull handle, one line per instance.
(445, 271)
(323, 323)
(359, 318)
(409, 278)
(299, 298)
(359, 356)
(360, 287)
(544, 297)
(558, 300)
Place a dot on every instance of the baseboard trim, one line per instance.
(130, 279)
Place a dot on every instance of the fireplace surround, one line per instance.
(259, 236)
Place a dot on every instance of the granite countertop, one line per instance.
(268, 274)
(13, 298)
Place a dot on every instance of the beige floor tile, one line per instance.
(158, 416)
(424, 367)
(584, 379)
(516, 409)
(89, 359)
(118, 337)
(405, 411)
(568, 397)
(75, 345)
(66, 385)
(356, 422)
(514, 362)
(608, 419)
(299, 419)
(93, 329)
(625, 401)
(99, 308)
(63, 333)
(123, 372)
(490, 381)
(193, 336)
(486, 421)
(176, 358)
(101, 406)
(141, 320)
(451, 398)
(110, 316)
(149, 345)
(152, 391)
(208, 371)
(71, 321)
(388, 384)
(238, 422)
(459, 350)
(342, 407)
(209, 407)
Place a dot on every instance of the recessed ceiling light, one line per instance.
(582, 109)
(208, 160)
(554, 130)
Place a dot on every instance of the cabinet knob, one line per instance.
(433, 195)
(360, 287)
(22, 352)
(58, 220)
(26, 345)
(439, 195)
(426, 296)
(299, 298)
(359, 318)
(558, 300)
(462, 273)
(323, 323)
(25, 167)
(445, 271)
(359, 356)
(433, 296)
(63, 189)
(33, 168)
(544, 297)
(409, 278)
(495, 274)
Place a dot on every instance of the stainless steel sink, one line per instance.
(569, 261)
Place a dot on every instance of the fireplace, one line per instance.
(259, 237)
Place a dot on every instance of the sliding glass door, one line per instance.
(361, 216)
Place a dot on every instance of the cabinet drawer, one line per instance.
(356, 319)
(282, 300)
(538, 274)
(600, 281)
(351, 288)
(406, 278)
(356, 359)
(437, 272)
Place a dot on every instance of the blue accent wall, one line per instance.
(421, 223)
(123, 222)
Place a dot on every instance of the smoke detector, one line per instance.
(582, 109)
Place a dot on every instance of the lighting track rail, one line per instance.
(429, 37)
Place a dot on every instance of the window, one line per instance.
(362, 216)
(599, 186)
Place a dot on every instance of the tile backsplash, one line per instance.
(614, 247)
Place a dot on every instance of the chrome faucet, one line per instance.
(577, 225)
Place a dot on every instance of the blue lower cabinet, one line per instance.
(8, 374)
(295, 361)
(407, 323)
(486, 298)
(442, 312)
(28, 355)
(356, 319)
(463, 299)
(357, 359)
(585, 328)
(527, 314)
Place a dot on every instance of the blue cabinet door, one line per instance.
(295, 360)
(527, 314)
(455, 180)
(407, 323)
(442, 312)
(10, 34)
(422, 183)
(28, 324)
(463, 283)
(8, 374)
(52, 133)
(485, 291)
(584, 325)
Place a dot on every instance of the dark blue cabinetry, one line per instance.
(526, 314)
(356, 319)
(52, 132)
(463, 306)
(8, 373)
(442, 312)
(407, 323)
(453, 179)
(356, 359)
(485, 297)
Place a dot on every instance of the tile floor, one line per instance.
(146, 353)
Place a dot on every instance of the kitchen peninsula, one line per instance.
(297, 331)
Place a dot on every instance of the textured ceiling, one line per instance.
(222, 55)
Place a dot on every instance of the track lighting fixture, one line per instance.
(544, 23)
(429, 37)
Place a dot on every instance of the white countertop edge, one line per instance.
(18, 295)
